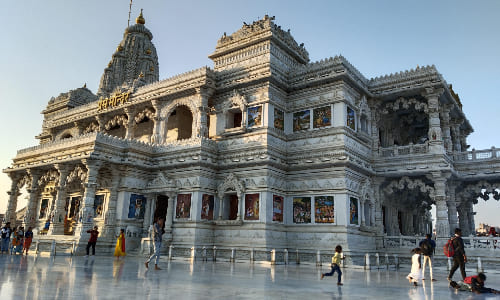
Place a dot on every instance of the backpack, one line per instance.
(449, 248)
(426, 247)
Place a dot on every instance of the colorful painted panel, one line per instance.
(301, 120)
(302, 209)
(353, 211)
(251, 206)
(254, 116)
(137, 206)
(324, 209)
(278, 208)
(279, 119)
(183, 208)
(322, 117)
(351, 118)
(43, 208)
(207, 207)
(98, 205)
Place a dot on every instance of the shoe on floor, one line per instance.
(322, 275)
(340, 283)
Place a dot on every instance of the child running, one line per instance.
(336, 265)
(416, 267)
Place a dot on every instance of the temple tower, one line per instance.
(135, 59)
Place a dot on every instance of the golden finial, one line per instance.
(140, 19)
(141, 75)
(148, 51)
(151, 69)
(85, 85)
(119, 48)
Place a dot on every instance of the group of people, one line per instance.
(16, 240)
(427, 249)
(119, 247)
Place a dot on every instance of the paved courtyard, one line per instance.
(103, 278)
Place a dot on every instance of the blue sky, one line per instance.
(49, 47)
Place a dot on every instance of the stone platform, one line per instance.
(38, 277)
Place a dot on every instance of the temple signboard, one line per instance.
(113, 101)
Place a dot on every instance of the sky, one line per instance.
(50, 47)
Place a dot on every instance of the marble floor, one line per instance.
(103, 278)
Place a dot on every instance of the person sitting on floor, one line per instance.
(473, 284)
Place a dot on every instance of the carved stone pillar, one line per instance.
(110, 216)
(57, 226)
(452, 209)
(147, 214)
(445, 122)
(170, 211)
(362, 211)
(455, 129)
(241, 199)
(372, 214)
(130, 123)
(463, 219)
(442, 222)
(435, 134)
(156, 137)
(10, 213)
(87, 209)
(221, 205)
(471, 214)
(29, 219)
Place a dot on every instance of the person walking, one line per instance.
(6, 232)
(416, 267)
(459, 257)
(92, 240)
(28, 238)
(336, 265)
(157, 238)
(428, 247)
(120, 245)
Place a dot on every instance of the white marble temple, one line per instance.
(103, 278)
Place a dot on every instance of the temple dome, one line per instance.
(135, 55)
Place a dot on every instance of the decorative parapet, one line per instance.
(189, 80)
(256, 32)
(475, 155)
(417, 76)
(332, 66)
(404, 150)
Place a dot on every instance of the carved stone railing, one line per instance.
(403, 150)
(475, 155)
(471, 242)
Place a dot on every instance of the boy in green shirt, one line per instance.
(336, 265)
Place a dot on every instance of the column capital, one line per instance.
(432, 92)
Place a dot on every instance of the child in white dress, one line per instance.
(416, 267)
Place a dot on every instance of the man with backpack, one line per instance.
(459, 257)
(428, 247)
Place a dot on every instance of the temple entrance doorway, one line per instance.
(230, 207)
(161, 207)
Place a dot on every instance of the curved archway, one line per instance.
(179, 124)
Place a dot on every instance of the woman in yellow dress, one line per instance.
(120, 245)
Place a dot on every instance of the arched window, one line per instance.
(179, 124)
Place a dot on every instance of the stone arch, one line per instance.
(77, 177)
(67, 134)
(25, 180)
(144, 125)
(51, 175)
(231, 183)
(177, 119)
(117, 125)
(411, 184)
(167, 111)
(234, 110)
(91, 127)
